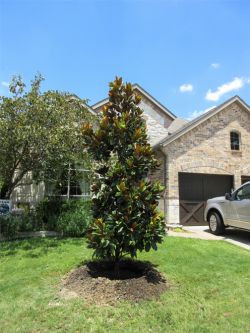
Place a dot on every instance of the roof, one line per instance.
(176, 125)
(199, 120)
(84, 104)
(89, 108)
(145, 93)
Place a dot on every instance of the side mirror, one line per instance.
(227, 196)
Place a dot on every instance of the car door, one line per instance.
(242, 206)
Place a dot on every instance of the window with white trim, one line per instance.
(73, 182)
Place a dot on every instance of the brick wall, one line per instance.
(206, 149)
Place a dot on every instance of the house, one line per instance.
(158, 118)
(200, 159)
(205, 158)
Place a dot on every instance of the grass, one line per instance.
(210, 290)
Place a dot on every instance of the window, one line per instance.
(235, 141)
(72, 182)
(243, 193)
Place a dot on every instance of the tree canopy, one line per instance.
(124, 199)
(39, 132)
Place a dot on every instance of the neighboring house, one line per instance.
(200, 159)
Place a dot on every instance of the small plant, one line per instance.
(126, 218)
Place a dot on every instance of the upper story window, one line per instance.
(235, 140)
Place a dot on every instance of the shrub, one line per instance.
(70, 218)
(47, 212)
(74, 219)
(10, 226)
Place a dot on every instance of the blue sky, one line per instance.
(190, 55)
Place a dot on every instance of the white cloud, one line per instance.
(5, 84)
(235, 84)
(186, 87)
(215, 65)
(196, 113)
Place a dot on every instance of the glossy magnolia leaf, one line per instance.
(126, 200)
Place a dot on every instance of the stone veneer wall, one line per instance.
(153, 111)
(159, 175)
(206, 149)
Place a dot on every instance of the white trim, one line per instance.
(98, 104)
(89, 108)
(145, 93)
(153, 100)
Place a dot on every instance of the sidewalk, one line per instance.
(237, 237)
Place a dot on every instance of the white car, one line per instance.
(233, 210)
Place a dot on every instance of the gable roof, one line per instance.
(146, 94)
(176, 125)
(199, 120)
(84, 104)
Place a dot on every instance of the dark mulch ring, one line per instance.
(98, 283)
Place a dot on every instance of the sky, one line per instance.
(190, 55)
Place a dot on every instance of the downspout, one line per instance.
(165, 183)
(165, 178)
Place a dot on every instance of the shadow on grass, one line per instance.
(41, 245)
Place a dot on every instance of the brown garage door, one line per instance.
(245, 179)
(195, 189)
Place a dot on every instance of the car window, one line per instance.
(243, 193)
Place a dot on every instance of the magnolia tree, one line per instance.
(126, 218)
(40, 132)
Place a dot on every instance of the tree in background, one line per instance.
(39, 132)
(126, 218)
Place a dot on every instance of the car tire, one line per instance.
(215, 223)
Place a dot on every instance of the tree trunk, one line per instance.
(117, 269)
(117, 263)
(4, 192)
(9, 186)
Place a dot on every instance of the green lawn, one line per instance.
(210, 290)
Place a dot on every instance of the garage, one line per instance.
(195, 189)
(245, 179)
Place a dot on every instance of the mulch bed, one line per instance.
(97, 282)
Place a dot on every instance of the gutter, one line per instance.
(159, 147)
(165, 186)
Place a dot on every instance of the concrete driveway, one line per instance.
(237, 237)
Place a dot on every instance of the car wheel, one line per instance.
(215, 223)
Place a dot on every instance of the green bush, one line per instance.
(69, 218)
(47, 212)
(10, 226)
(74, 218)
